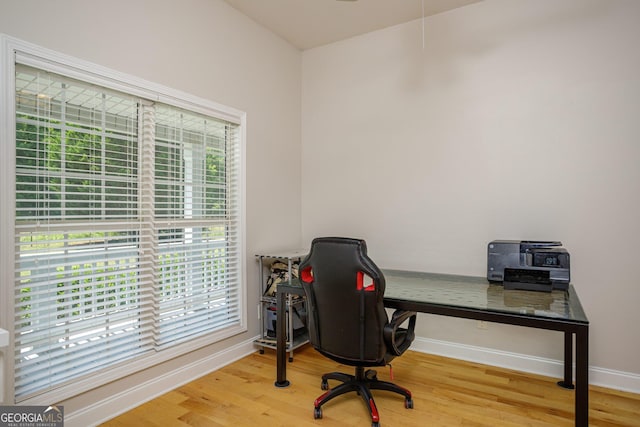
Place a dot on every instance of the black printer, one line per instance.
(528, 265)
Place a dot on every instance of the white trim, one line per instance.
(128, 399)
(7, 216)
(130, 367)
(4, 338)
(624, 381)
(242, 229)
(619, 380)
(14, 50)
(40, 57)
(4, 342)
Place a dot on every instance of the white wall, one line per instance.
(518, 120)
(515, 121)
(206, 48)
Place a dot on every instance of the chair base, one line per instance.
(362, 383)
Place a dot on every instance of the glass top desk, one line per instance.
(475, 298)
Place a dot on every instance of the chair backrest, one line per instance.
(345, 291)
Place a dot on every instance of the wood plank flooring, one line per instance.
(446, 392)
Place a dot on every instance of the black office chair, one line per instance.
(347, 321)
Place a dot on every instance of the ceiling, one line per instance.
(311, 23)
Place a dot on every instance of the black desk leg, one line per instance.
(582, 376)
(568, 362)
(281, 340)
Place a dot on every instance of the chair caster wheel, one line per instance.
(317, 413)
(375, 424)
(324, 385)
(408, 403)
(290, 359)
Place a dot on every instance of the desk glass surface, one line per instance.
(475, 297)
(478, 293)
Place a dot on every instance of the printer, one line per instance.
(528, 265)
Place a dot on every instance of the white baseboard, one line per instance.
(619, 380)
(625, 381)
(129, 399)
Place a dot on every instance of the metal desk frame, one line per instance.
(570, 328)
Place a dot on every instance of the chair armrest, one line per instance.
(399, 339)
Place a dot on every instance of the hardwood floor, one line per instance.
(446, 392)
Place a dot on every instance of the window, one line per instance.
(127, 228)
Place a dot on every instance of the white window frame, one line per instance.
(13, 50)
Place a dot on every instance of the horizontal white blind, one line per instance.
(197, 262)
(126, 233)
